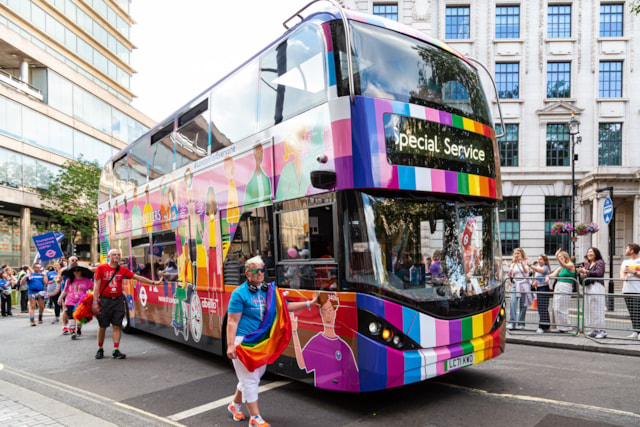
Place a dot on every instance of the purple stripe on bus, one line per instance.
(451, 180)
(455, 331)
(445, 118)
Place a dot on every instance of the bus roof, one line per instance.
(321, 16)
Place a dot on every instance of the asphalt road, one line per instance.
(165, 383)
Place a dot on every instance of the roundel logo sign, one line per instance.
(143, 296)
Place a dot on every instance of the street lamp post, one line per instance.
(574, 129)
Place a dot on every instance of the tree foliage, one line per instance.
(71, 198)
(635, 7)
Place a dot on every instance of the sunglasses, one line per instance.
(258, 270)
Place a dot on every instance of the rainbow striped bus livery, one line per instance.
(359, 158)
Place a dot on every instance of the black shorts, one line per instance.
(69, 309)
(111, 312)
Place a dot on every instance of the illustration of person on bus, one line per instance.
(293, 182)
(193, 258)
(259, 186)
(233, 212)
(212, 254)
(326, 354)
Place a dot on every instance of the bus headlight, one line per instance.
(383, 332)
(374, 328)
(397, 341)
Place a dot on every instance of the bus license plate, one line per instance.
(459, 362)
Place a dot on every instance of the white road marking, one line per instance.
(543, 400)
(87, 395)
(220, 402)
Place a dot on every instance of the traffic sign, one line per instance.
(607, 210)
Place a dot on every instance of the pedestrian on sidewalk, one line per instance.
(53, 289)
(23, 288)
(562, 290)
(6, 285)
(78, 285)
(594, 300)
(630, 273)
(36, 288)
(521, 296)
(108, 300)
(543, 292)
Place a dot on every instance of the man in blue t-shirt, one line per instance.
(36, 290)
(247, 308)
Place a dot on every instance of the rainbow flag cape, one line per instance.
(266, 344)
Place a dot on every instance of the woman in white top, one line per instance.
(521, 296)
(630, 273)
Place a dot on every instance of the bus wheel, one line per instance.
(195, 317)
(186, 312)
(126, 321)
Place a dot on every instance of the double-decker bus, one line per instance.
(358, 157)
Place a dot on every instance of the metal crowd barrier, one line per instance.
(620, 318)
(556, 311)
(584, 311)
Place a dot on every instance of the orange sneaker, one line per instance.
(257, 421)
(236, 411)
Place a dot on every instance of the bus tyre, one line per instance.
(195, 318)
(186, 312)
(126, 321)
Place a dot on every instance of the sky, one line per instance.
(185, 46)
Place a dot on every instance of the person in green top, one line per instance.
(566, 276)
(259, 187)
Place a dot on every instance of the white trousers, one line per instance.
(248, 382)
(594, 306)
(561, 301)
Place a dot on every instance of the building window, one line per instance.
(556, 209)
(508, 80)
(611, 22)
(610, 144)
(507, 22)
(389, 11)
(508, 145)
(509, 209)
(558, 80)
(557, 144)
(610, 81)
(559, 21)
(458, 23)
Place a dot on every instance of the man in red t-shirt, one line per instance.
(110, 308)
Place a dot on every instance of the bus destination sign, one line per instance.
(421, 143)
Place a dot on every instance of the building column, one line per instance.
(636, 223)
(25, 236)
(24, 71)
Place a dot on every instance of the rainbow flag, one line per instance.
(266, 344)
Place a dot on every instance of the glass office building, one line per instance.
(65, 94)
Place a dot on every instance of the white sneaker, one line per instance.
(633, 336)
(510, 326)
(521, 326)
(539, 331)
(592, 334)
(601, 335)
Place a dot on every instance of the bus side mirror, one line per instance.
(324, 179)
